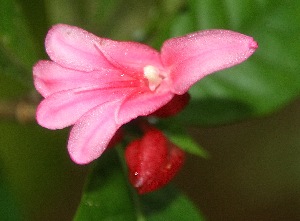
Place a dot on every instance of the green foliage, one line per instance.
(169, 204)
(17, 49)
(108, 196)
(264, 83)
(8, 206)
(177, 134)
(39, 171)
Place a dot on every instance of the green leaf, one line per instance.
(106, 195)
(182, 24)
(214, 111)
(8, 206)
(40, 171)
(169, 204)
(17, 47)
(203, 11)
(69, 12)
(176, 133)
(35, 15)
(264, 83)
(11, 88)
(188, 144)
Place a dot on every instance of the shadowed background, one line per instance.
(253, 172)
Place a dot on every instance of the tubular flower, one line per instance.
(98, 84)
(152, 161)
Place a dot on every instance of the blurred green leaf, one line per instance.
(182, 24)
(35, 16)
(213, 111)
(187, 143)
(264, 83)
(169, 204)
(68, 12)
(15, 34)
(10, 87)
(108, 196)
(8, 206)
(208, 13)
(117, 19)
(177, 134)
(39, 171)
(18, 51)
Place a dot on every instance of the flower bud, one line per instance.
(152, 161)
(177, 104)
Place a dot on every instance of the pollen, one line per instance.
(153, 77)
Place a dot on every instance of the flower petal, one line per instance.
(196, 55)
(64, 108)
(49, 78)
(91, 135)
(75, 48)
(142, 104)
(130, 56)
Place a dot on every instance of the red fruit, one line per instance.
(152, 161)
(177, 104)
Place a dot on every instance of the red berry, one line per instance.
(152, 161)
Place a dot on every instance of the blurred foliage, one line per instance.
(9, 210)
(263, 84)
(35, 160)
(108, 196)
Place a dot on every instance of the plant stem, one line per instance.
(135, 198)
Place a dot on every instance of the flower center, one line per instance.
(153, 77)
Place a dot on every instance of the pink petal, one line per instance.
(75, 48)
(194, 56)
(64, 108)
(130, 56)
(49, 78)
(142, 104)
(91, 134)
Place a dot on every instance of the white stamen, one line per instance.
(152, 74)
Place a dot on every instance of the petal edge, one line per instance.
(196, 55)
(92, 133)
(74, 48)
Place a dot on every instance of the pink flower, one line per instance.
(97, 84)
